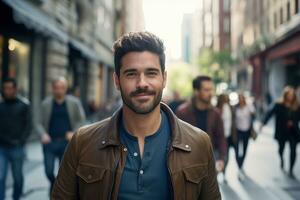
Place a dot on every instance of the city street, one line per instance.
(264, 178)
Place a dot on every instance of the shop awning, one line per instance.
(32, 18)
(35, 19)
(85, 51)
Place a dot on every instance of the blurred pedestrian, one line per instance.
(15, 127)
(228, 119)
(176, 101)
(244, 116)
(143, 151)
(287, 114)
(200, 113)
(60, 115)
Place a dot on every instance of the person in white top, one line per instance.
(244, 114)
(227, 116)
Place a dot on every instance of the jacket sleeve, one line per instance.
(210, 188)
(270, 114)
(65, 183)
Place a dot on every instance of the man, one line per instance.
(143, 151)
(200, 113)
(15, 126)
(60, 115)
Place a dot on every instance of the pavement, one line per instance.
(264, 179)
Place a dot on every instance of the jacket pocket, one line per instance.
(194, 177)
(92, 182)
(90, 174)
(196, 173)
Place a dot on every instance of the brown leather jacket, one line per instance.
(215, 126)
(95, 158)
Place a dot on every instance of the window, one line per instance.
(19, 64)
(226, 5)
(226, 25)
(288, 11)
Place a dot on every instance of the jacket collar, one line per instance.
(110, 133)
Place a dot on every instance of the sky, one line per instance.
(164, 18)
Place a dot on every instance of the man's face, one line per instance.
(59, 89)
(9, 90)
(141, 81)
(205, 93)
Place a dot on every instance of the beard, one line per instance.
(136, 107)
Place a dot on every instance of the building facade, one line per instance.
(266, 38)
(40, 40)
(207, 27)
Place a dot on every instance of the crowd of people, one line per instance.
(129, 134)
(236, 126)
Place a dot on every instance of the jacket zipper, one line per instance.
(114, 175)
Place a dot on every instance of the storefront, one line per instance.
(14, 62)
(277, 66)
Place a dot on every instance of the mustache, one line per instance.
(142, 91)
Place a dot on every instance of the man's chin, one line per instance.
(143, 110)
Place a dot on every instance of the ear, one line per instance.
(116, 81)
(164, 79)
(195, 92)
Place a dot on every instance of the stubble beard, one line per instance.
(138, 109)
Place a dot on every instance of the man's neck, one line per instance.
(11, 99)
(140, 125)
(59, 100)
(201, 105)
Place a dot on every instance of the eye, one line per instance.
(130, 74)
(152, 73)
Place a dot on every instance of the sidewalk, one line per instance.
(36, 186)
(265, 179)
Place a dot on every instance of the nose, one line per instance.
(142, 81)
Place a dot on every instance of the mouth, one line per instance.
(143, 96)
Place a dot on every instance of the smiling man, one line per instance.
(143, 151)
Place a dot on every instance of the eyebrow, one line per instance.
(129, 70)
(152, 69)
(134, 70)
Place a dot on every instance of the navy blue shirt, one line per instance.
(147, 177)
(59, 121)
(201, 116)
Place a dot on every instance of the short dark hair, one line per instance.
(197, 82)
(10, 80)
(138, 42)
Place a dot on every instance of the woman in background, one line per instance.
(244, 114)
(286, 112)
(227, 116)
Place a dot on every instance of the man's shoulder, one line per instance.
(23, 100)
(47, 100)
(72, 99)
(193, 135)
(183, 109)
(92, 131)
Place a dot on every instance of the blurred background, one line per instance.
(249, 46)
